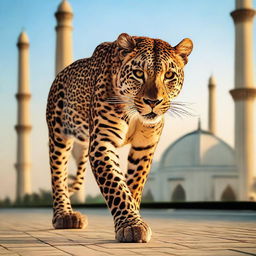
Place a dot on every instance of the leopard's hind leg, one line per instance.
(80, 154)
(63, 215)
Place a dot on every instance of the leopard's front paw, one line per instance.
(70, 220)
(138, 233)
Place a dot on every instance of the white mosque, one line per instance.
(199, 166)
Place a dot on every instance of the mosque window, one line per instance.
(178, 194)
(148, 197)
(228, 194)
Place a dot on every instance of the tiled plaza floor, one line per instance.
(190, 233)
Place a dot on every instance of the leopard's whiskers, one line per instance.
(181, 109)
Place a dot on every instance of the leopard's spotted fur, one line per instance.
(95, 105)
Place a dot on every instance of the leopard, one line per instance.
(118, 96)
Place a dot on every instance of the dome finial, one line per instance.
(23, 38)
(212, 81)
(64, 6)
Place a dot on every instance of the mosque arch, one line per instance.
(228, 194)
(178, 194)
(148, 196)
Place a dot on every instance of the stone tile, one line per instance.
(123, 252)
(10, 254)
(158, 251)
(210, 253)
(37, 251)
(101, 249)
(4, 251)
(22, 244)
(80, 250)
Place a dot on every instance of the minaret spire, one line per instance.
(244, 95)
(64, 54)
(212, 105)
(199, 124)
(23, 126)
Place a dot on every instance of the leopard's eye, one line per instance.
(138, 73)
(169, 75)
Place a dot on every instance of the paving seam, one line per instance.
(47, 243)
(246, 253)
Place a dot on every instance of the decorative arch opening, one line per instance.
(148, 197)
(228, 194)
(179, 194)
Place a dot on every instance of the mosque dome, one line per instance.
(64, 7)
(198, 149)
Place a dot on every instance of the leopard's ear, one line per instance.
(184, 48)
(126, 44)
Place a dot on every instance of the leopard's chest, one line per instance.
(131, 130)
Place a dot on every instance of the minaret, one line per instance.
(23, 126)
(64, 57)
(212, 105)
(244, 95)
(64, 29)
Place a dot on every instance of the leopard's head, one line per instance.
(150, 74)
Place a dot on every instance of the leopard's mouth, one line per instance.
(150, 116)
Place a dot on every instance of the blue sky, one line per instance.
(206, 22)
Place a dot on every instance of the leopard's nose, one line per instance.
(152, 103)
